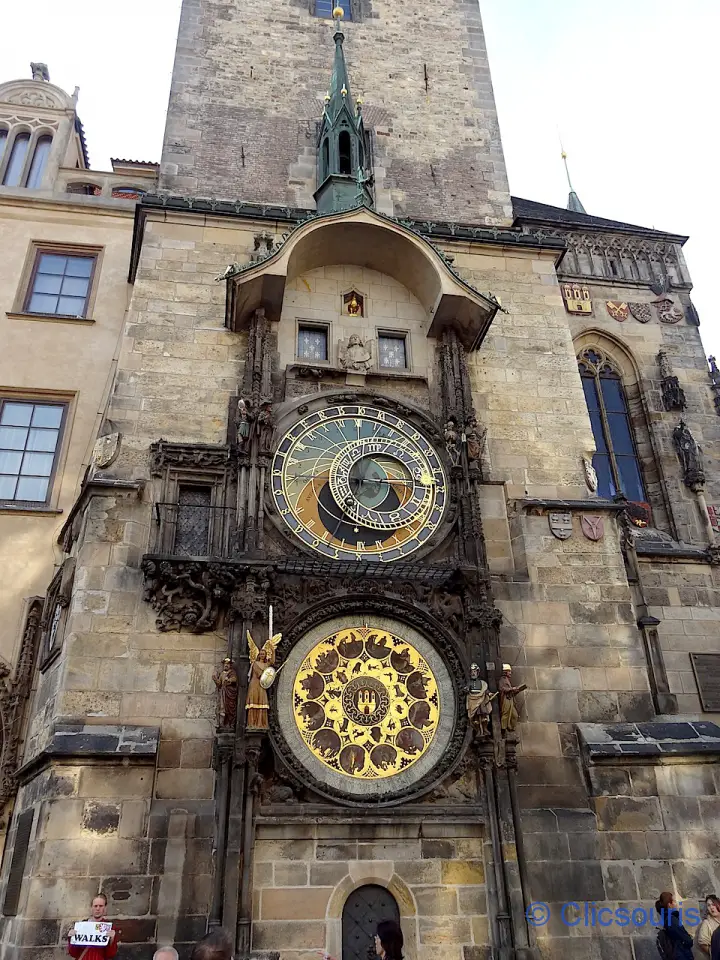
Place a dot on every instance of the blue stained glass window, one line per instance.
(324, 8)
(616, 460)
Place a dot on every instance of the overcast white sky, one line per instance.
(633, 85)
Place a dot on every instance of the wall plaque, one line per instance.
(576, 298)
(707, 676)
(560, 525)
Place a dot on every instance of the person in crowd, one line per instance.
(709, 925)
(389, 940)
(215, 945)
(165, 953)
(98, 911)
(673, 940)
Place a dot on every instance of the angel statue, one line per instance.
(260, 679)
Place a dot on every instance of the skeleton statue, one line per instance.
(225, 679)
(451, 441)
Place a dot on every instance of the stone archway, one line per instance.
(363, 910)
(381, 875)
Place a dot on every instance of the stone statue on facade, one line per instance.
(225, 679)
(690, 456)
(479, 702)
(265, 426)
(474, 442)
(243, 424)
(509, 715)
(673, 395)
(355, 355)
(452, 441)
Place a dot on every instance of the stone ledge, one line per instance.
(659, 740)
(594, 504)
(96, 742)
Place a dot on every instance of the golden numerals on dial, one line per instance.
(354, 481)
(366, 703)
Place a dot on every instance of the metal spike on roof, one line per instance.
(574, 203)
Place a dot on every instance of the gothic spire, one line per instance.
(339, 92)
(574, 202)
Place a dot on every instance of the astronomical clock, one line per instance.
(365, 702)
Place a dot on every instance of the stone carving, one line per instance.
(354, 304)
(667, 310)
(641, 311)
(34, 98)
(14, 695)
(673, 395)
(263, 247)
(690, 456)
(474, 441)
(592, 527)
(637, 513)
(265, 427)
(714, 375)
(261, 677)
(509, 715)
(479, 702)
(40, 72)
(194, 456)
(187, 595)
(106, 450)
(560, 525)
(618, 311)
(355, 354)
(461, 786)
(591, 477)
(249, 599)
(452, 441)
(225, 679)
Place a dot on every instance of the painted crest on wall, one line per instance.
(576, 298)
(592, 527)
(668, 311)
(641, 311)
(617, 310)
(560, 525)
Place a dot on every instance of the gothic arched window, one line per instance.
(616, 461)
(39, 160)
(345, 152)
(16, 163)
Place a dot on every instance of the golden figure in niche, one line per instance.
(366, 703)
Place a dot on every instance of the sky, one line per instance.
(631, 87)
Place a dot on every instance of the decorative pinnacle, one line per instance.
(338, 13)
(344, 91)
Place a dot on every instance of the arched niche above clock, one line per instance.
(359, 477)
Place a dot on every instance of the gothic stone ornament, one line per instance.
(667, 310)
(576, 298)
(358, 482)
(560, 525)
(641, 311)
(452, 441)
(225, 679)
(187, 595)
(690, 457)
(618, 311)
(366, 703)
(592, 527)
(478, 702)
(355, 354)
(106, 450)
(591, 477)
(638, 513)
(673, 394)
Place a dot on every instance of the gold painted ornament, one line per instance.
(366, 703)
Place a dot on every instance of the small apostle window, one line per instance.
(312, 343)
(392, 350)
(354, 304)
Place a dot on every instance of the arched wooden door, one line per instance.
(363, 910)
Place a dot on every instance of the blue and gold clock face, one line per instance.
(354, 481)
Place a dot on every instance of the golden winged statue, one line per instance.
(261, 678)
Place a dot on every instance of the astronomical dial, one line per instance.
(356, 481)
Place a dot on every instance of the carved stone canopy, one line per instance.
(368, 239)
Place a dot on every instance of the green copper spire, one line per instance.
(574, 202)
(343, 180)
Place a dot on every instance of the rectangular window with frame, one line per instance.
(312, 342)
(192, 527)
(324, 8)
(60, 284)
(30, 436)
(392, 351)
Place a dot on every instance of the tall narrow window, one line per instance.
(29, 444)
(193, 521)
(325, 159)
(60, 284)
(616, 460)
(39, 161)
(345, 151)
(16, 162)
(3, 142)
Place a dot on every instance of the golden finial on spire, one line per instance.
(338, 13)
(344, 90)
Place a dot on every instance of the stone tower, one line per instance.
(250, 81)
